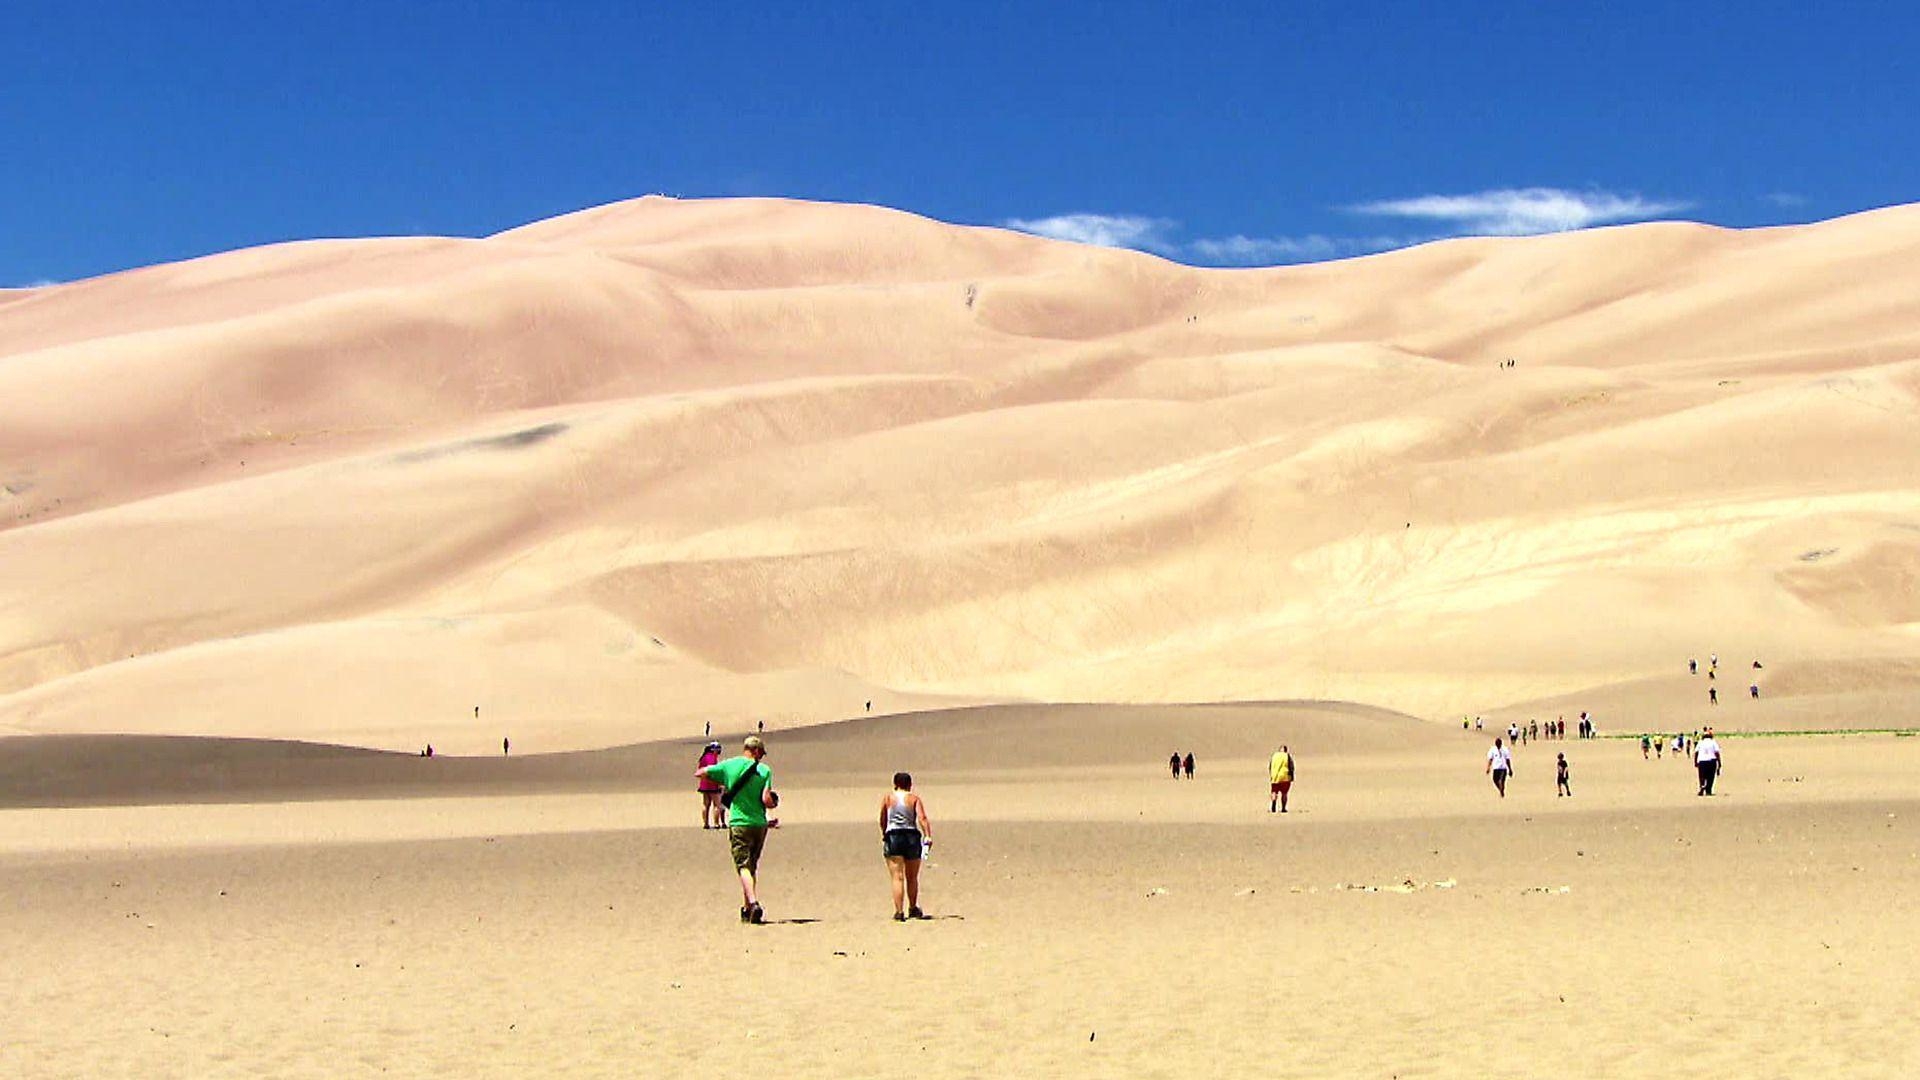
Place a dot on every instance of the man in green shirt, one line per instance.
(746, 787)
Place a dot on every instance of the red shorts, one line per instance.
(1280, 786)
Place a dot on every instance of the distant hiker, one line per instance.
(1706, 759)
(1173, 764)
(1693, 667)
(1500, 766)
(712, 814)
(1280, 770)
(429, 749)
(709, 732)
(1753, 691)
(1713, 696)
(1187, 764)
(1713, 661)
(763, 727)
(1479, 724)
(869, 706)
(747, 794)
(1564, 790)
(1513, 734)
(905, 837)
(506, 746)
(1646, 745)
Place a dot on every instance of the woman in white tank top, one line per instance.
(905, 834)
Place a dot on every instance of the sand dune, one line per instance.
(612, 475)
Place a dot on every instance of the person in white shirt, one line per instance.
(1706, 758)
(1500, 766)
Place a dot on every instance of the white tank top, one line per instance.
(900, 815)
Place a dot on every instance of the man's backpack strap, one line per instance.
(727, 796)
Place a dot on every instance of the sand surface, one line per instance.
(272, 520)
(565, 916)
(613, 475)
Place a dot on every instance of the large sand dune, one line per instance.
(612, 475)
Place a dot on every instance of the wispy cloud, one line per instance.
(1522, 211)
(1161, 236)
(1239, 250)
(1500, 212)
(37, 283)
(1785, 199)
(1104, 230)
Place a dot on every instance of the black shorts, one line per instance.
(902, 844)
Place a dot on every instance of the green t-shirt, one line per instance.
(746, 808)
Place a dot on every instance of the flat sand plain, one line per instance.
(356, 913)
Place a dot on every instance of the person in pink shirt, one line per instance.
(712, 814)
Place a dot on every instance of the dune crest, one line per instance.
(611, 475)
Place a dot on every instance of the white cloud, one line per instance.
(1500, 212)
(1103, 230)
(37, 283)
(1523, 211)
(1238, 250)
(1161, 236)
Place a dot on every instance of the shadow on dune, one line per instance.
(106, 770)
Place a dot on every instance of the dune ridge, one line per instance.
(613, 474)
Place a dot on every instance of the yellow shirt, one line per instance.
(1280, 768)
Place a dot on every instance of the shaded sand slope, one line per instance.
(82, 770)
(613, 474)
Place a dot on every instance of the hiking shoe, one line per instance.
(899, 917)
(746, 913)
(759, 914)
(915, 913)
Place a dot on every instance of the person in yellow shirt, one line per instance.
(1280, 772)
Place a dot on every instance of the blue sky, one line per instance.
(1212, 133)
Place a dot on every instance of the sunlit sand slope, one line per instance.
(611, 475)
